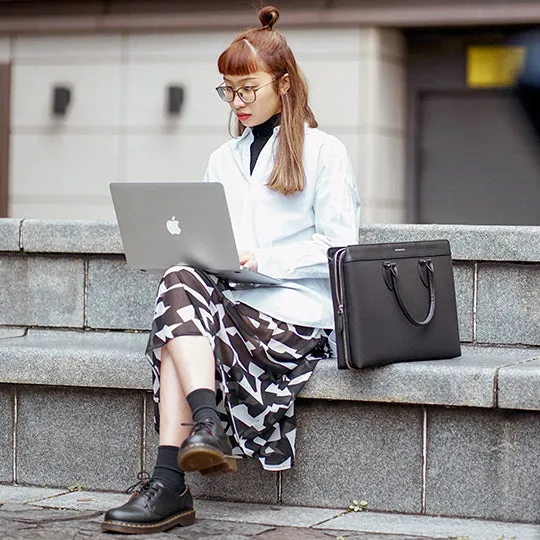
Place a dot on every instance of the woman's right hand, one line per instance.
(247, 260)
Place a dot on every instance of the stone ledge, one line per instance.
(9, 234)
(468, 242)
(71, 358)
(519, 386)
(467, 381)
(116, 360)
(71, 236)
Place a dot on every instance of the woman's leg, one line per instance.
(187, 393)
(163, 501)
(184, 373)
(173, 406)
(194, 362)
(187, 366)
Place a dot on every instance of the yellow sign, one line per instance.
(493, 66)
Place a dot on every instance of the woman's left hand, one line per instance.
(247, 260)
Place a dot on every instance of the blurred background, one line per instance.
(420, 92)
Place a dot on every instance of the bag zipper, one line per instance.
(342, 316)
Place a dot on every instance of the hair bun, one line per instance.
(268, 16)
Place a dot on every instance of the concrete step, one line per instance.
(483, 376)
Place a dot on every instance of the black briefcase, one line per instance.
(393, 302)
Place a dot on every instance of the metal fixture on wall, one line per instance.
(61, 98)
(175, 99)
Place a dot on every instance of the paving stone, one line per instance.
(88, 438)
(508, 304)
(348, 451)
(251, 483)
(6, 435)
(71, 236)
(347, 535)
(201, 529)
(83, 500)
(97, 534)
(120, 297)
(464, 286)
(46, 533)
(40, 516)
(9, 234)
(13, 506)
(276, 515)
(287, 533)
(467, 242)
(431, 527)
(13, 495)
(221, 530)
(519, 385)
(483, 463)
(9, 333)
(41, 291)
(76, 358)
(29, 522)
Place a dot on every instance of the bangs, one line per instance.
(240, 58)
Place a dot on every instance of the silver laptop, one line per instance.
(165, 224)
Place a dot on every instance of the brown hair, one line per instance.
(266, 49)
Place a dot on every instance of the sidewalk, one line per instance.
(55, 514)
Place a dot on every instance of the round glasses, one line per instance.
(248, 94)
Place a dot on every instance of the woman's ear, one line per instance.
(284, 84)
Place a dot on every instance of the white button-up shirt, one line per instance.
(290, 235)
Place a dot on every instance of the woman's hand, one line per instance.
(247, 260)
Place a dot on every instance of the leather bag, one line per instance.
(393, 302)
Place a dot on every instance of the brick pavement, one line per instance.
(53, 514)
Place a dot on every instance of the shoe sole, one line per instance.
(206, 459)
(183, 519)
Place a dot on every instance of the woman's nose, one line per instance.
(237, 102)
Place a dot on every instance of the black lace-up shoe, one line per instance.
(207, 450)
(152, 508)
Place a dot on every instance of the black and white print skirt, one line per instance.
(261, 363)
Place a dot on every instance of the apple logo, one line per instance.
(173, 227)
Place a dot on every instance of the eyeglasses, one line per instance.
(248, 94)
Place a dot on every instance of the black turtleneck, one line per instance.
(261, 134)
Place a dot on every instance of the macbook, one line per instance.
(165, 224)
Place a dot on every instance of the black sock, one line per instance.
(203, 404)
(167, 471)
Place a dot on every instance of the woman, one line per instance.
(228, 363)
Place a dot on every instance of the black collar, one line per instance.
(267, 128)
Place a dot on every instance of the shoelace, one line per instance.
(143, 479)
(197, 426)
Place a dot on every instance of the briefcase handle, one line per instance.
(390, 271)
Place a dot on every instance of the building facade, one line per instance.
(85, 101)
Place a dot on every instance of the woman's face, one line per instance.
(267, 101)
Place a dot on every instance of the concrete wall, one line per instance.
(117, 128)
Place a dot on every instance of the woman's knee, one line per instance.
(184, 274)
(181, 270)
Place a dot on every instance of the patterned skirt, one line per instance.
(261, 363)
